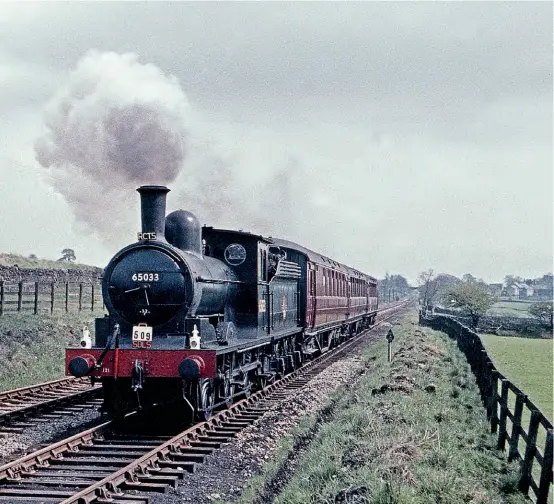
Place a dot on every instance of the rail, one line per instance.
(497, 393)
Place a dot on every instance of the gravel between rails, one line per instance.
(14, 445)
(225, 472)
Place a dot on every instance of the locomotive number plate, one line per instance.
(142, 336)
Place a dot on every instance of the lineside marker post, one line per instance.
(390, 338)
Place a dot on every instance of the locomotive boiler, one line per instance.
(200, 316)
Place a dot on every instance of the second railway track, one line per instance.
(24, 407)
(99, 466)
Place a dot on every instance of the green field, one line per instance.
(510, 309)
(527, 363)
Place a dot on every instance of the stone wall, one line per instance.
(14, 274)
(497, 323)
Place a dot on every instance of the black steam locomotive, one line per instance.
(200, 316)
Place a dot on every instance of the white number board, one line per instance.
(142, 336)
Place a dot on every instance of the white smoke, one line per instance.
(116, 124)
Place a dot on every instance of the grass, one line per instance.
(528, 364)
(32, 346)
(26, 262)
(411, 432)
(510, 309)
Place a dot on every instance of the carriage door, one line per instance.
(310, 316)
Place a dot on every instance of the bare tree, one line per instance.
(428, 288)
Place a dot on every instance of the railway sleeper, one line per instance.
(183, 466)
(145, 486)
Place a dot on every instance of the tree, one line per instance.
(68, 255)
(472, 299)
(469, 278)
(543, 312)
(427, 287)
(393, 287)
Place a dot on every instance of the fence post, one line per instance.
(546, 470)
(66, 296)
(527, 465)
(483, 376)
(80, 296)
(36, 298)
(501, 445)
(92, 298)
(516, 427)
(493, 401)
(52, 291)
(20, 296)
(2, 297)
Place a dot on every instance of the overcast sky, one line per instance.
(390, 136)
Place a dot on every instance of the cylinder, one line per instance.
(152, 203)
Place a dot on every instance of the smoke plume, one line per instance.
(116, 124)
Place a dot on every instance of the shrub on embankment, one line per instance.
(413, 431)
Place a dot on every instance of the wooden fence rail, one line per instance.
(41, 297)
(498, 394)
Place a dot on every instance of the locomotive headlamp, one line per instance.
(195, 338)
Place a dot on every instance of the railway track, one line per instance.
(100, 466)
(25, 407)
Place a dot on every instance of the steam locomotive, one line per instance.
(201, 316)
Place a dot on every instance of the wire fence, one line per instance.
(43, 297)
(508, 410)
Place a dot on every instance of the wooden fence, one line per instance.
(498, 395)
(42, 297)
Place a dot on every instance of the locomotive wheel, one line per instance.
(205, 400)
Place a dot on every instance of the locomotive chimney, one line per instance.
(152, 202)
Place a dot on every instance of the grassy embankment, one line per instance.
(32, 346)
(411, 432)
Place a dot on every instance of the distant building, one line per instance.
(512, 290)
(543, 291)
(495, 289)
(519, 290)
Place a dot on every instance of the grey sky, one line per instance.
(391, 136)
